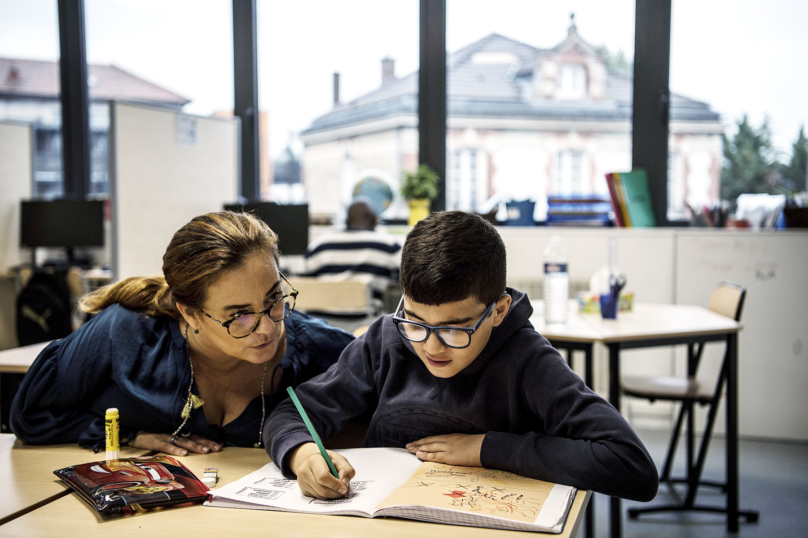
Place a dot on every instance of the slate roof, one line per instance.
(40, 79)
(502, 90)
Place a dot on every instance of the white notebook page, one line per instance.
(378, 473)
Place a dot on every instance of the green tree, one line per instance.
(794, 173)
(749, 162)
(616, 61)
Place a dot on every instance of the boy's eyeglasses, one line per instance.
(245, 323)
(454, 337)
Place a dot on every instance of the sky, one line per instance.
(740, 56)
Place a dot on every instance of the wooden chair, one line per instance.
(727, 299)
(343, 303)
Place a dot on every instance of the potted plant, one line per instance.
(419, 188)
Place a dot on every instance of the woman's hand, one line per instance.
(452, 449)
(315, 478)
(161, 442)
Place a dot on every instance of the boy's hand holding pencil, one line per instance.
(320, 473)
(314, 476)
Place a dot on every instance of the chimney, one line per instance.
(13, 77)
(336, 89)
(573, 29)
(388, 70)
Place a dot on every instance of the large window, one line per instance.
(542, 95)
(29, 84)
(339, 83)
(175, 54)
(738, 74)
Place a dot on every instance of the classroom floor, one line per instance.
(773, 481)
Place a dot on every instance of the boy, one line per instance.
(459, 376)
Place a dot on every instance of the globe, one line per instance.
(376, 191)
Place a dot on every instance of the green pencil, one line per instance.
(312, 431)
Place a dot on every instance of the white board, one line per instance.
(16, 182)
(773, 346)
(165, 169)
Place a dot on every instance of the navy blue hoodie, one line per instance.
(539, 418)
(139, 364)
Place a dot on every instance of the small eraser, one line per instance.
(211, 475)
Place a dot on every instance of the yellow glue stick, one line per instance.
(111, 427)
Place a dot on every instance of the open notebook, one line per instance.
(392, 482)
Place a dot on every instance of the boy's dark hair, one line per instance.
(450, 256)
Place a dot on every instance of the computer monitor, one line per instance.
(289, 221)
(62, 223)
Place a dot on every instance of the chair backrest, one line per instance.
(343, 296)
(727, 299)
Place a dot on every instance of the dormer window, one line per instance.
(571, 82)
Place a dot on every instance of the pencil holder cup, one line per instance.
(608, 305)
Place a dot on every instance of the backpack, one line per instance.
(43, 308)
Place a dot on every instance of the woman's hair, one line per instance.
(450, 256)
(199, 253)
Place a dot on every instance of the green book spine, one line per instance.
(638, 198)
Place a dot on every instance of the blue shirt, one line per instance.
(139, 364)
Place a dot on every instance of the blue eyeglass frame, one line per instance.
(429, 328)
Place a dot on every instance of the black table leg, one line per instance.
(732, 433)
(587, 348)
(614, 399)
(588, 379)
(9, 385)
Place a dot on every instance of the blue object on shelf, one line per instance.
(520, 213)
(608, 305)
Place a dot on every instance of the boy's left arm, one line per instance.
(452, 449)
(580, 440)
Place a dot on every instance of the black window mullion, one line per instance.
(432, 93)
(74, 99)
(649, 136)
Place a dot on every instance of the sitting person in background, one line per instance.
(358, 251)
(194, 360)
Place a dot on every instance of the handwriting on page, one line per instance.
(471, 489)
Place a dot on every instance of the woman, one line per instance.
(193, 361)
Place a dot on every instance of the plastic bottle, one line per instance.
(556, 282)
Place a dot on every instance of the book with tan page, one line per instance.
(391, 482)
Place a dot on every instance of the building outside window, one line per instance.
(572, 82)
(464, 191)
(542, 115)
(676, 187)
(569, 181)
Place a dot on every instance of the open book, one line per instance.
(392, 482)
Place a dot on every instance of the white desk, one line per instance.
(70, 516)
(652, 325)
(26, 473)
(19, 359)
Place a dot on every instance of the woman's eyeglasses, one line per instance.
(245, 323)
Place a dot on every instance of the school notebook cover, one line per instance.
(391, 482)
(637, 198)
(133, 484)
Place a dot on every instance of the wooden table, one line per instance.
(653, 325)
(26, 473)
(13, 365)
(70, 516)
